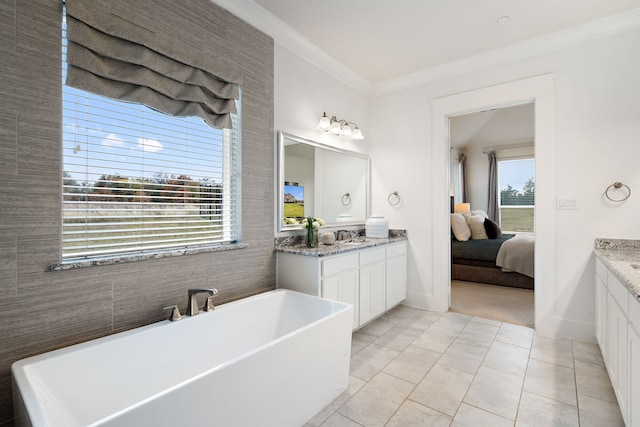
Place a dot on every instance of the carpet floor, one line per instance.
(511, 305)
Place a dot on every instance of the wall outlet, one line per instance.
(566, 203)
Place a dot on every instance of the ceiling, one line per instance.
(493, 128)
(381, 40)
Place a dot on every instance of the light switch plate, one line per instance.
(566, 203)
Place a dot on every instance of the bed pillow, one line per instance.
(459, 227)
(478, 212)
(492, 229)
(476, 225)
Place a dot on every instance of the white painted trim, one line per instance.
(540, 91)
(600, 28)
(285, 35)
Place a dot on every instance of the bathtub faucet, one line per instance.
(192, 307)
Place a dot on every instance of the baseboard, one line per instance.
(424, 302)
(567, 328)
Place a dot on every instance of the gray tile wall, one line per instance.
(41, 310)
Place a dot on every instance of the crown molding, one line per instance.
(285, 35)
(546, 43)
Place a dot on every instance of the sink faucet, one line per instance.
(343, 234)
(192, 307)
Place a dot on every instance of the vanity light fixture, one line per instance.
(340, 127)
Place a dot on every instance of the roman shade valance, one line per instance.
(112, 57)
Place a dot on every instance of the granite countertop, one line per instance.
(338, 247)
(622, 258)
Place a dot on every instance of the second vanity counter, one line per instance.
(617, 320)
(622, 258)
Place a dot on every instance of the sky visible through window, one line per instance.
(516, 173)
(109, 137)
(102, 136)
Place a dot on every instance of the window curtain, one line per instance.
(110, 56)
(463, 177)
(492, 211)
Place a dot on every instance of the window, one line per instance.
(136, 180)
(517, 194)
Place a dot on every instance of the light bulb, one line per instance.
(335, 126)
(324, 122)
(346, 130)
(357, 134)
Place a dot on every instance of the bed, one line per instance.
(494, 261)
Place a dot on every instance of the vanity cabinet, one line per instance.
(618, 335)
(617, 346)
(343, 287)
(373, 279)
(634, 363)
(396, 273)
(372, 284)
(601, 306)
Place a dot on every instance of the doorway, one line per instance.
(540, 91)
(478, 286)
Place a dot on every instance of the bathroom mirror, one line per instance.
(320, 181)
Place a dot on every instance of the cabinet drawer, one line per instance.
(396, 249)
(371, 256)
(634, 314)
(339, 264)
(601, 270)
(619, 292)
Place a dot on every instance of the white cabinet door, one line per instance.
(634, 362)
(350, 293)
(634, 377)
(396, 274)
(372, 290)
(601, 315)
(396, 280)
(332, 288)
(344, 288)
(616, 360)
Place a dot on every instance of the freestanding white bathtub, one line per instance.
(274, 359)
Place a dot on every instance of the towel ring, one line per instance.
(394, 198)
(617, 186)
(346, 199)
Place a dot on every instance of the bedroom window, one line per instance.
(140, 181)
(517, 194)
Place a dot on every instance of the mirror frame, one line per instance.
(280, 227)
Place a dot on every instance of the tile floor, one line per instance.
(418, 368)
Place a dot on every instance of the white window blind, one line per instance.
(136, 180)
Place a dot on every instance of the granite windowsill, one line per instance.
(122, 259)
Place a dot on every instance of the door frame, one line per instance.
(538, 90)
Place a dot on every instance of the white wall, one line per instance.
(303, 92)
(595, 142)
(596, 135)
